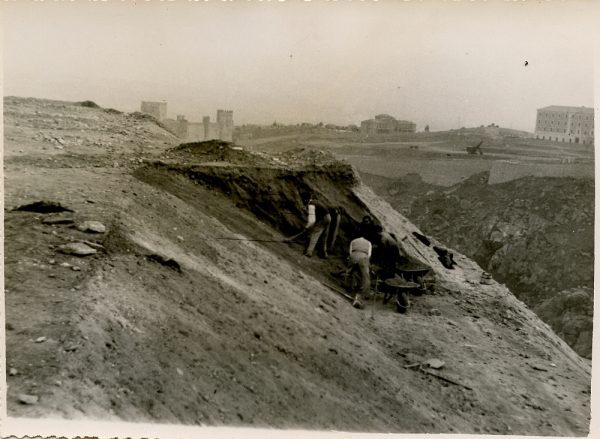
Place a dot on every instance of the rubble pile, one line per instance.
(227, 152)
(216, 151)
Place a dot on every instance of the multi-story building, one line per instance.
(565, 124)
(386, 124)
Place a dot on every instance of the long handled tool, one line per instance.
(339, 291)
(248, 239)
(291, 238)
(374, 296)
(286, 240)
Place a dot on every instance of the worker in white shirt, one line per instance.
(360, 253)
(317, 225)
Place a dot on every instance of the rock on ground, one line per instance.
(77, 249)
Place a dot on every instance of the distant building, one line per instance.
(386, 124)
(222, 129)
(179, 127)
(156, 109)
(565, 124)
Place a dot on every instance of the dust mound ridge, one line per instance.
(193, 311)
(221, 151)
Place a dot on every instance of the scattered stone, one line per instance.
(92, 227)
(75, 268)
(65, 264)
(92, 244)
(538, 367)
(179, 371)
(12, 372)
(434, 363)
(435, 312)
(52, 261)
(28, 399)
(58, 220)
(77, 249)
(40, 339)
(180, 237)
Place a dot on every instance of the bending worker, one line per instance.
(319, 219)
(360, 253)
(387, 252)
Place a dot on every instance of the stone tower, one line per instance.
(225, 125)
(156, 109)
(206, 123)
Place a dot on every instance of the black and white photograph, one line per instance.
(319, 216)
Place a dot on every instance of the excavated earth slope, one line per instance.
(536, 234)
(179, 317)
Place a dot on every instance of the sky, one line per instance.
(437, 63)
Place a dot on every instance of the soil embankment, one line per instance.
(535, 234)
(190, 311)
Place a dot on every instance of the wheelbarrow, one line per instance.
(415, 275)
(399, 289)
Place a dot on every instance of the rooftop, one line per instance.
(567, 108)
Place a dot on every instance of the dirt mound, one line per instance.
(88, 104)
(534, 234)
(307, 157)
(216, 151)
(112, 111)
(227, 152)
(209, 147)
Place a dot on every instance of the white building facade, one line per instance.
(565, 124)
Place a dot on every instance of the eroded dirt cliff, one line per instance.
(534, 234)
(180, 317)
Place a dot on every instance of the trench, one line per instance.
(275, 196)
